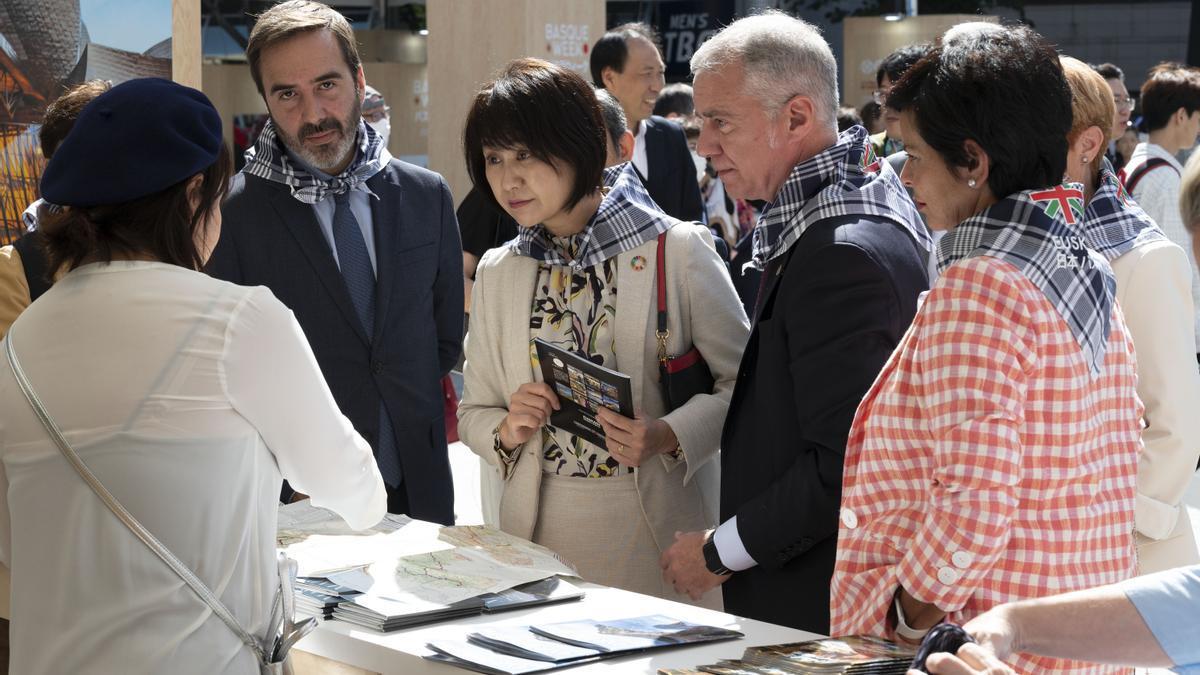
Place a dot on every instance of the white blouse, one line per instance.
(190, 399)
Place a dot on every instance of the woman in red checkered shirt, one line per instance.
(995, 457)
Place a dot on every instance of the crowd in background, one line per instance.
(934, 359)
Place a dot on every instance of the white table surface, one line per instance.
(400, 652)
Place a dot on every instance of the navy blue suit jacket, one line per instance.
(830, 312)
(268, 238)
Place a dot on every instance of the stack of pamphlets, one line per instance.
(405, 572)
(534, 649)
(829, 656)
(386, 614)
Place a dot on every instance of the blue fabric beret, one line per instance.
(138, 138)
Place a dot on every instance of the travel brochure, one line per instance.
(534, 649)
(583, 388)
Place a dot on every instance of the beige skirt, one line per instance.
(597, 525)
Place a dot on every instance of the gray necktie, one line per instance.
(355, 263)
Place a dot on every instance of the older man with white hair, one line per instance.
(842, 248)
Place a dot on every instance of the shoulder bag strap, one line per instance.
(660, 277)
(124, 516)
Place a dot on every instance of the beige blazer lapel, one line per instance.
(635, 292)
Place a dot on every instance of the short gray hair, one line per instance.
(615, 122)
(782, 56)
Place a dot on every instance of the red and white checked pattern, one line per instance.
(986, 464)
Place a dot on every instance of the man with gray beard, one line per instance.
(363, 248)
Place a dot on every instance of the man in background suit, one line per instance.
(626, 62)
(842, 249)
(363, 248)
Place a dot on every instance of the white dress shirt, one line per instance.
(190, 399)
(640, 162)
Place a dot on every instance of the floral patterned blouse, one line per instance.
(576, 312)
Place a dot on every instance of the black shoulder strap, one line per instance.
(1139, 173)
(34, 262)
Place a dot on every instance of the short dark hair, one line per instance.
(548, 110)
(869, 113)
(1109, 72)
(291, 18)
(847, 117)
(675, 98)
(161, 225)
(1004, 90)
(63, 111)
(612, 50)
(615, 122)
(1168, 87)
(897, 63)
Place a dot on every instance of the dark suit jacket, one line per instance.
(830, 313)
(269, 238)
(672, 180)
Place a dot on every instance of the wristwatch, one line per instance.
(712, 559)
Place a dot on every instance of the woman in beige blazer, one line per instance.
(581, 274)
(1153, 288)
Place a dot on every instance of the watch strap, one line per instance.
(712, 559)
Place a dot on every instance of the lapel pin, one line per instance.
(638, 263)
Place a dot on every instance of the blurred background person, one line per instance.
(1114, 77)
(890, 70)
(535, 143)
(847, 117)
(871, 114)
(1171, 112)
(675, 102)
(377, 113)
(956, 496)
(626, 61)
(23, 272)
(179, 392)
(1154, 291)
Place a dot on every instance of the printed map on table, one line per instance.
(422, 563)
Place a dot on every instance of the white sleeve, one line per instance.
(732, 552)
(272, 379)
(1157, 304)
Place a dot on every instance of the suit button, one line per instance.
(377, 367)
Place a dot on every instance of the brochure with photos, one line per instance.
(583, 388)
(643, 632)
(515, 650)
(854, 655)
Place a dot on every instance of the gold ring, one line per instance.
(620, 449)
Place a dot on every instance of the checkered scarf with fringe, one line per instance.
(1113, 223)
(268, 159)
(1039, 233)
(626, 219)
(845, 179)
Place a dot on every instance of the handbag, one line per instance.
(283, 630)
(684, 376)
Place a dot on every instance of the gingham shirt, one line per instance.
(987, 463)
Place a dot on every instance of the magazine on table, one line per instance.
(583, 388)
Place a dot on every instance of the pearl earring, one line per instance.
(971, 182)
(1086, 159)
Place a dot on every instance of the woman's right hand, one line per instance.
(529, 408)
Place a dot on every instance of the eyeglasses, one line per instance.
(1124, 104)
(880, 95)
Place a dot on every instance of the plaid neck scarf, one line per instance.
(268, 159)
(626, 219)
(846, 179)
(1037, 231)
(1113, 223)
